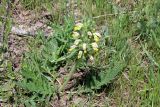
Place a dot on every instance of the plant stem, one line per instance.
(4, 35)
(68, 77)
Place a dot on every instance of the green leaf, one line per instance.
(98, 79)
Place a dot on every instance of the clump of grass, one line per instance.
(35, 4)
(138, 85)
(57, 9)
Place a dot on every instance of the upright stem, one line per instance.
(68, 77)
(4, 35)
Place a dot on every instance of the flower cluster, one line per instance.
(85, 42)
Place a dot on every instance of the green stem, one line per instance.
(68, 77)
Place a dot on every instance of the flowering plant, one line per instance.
(85, 42)
(85, 46)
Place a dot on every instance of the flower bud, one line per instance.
(72, 47)
(76, 42)
(97, 34)
(75, 35)
(84, 47)
(89, 34)
(80, 54)
(96, 38)
(78, 26)
(95, 46)
(91, 58)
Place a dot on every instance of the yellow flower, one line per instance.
(78, 26)
(80, 54)
(97, 34)
(95, 46)
(72, 47)
(91, 58)
(84, 47)
(76, 42)
(75, 35)
(89, 34)
(96, 38)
